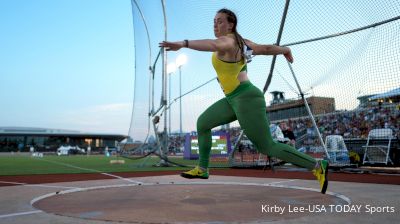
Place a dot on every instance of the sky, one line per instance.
(346, 67)
(67, 64)
(80, 64)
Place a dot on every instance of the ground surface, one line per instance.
(240, 195)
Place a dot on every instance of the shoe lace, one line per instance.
(317, 173)
(197, 170)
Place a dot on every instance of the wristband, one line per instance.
(186, 44)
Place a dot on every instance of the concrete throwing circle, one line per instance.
(188, 202)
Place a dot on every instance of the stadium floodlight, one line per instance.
(171, 68)
(181, 60)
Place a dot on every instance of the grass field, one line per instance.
(26, 165)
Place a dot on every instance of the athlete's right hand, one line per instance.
(172, 46)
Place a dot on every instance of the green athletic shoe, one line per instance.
(322, 175)
(195, 173)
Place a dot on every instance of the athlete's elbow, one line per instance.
(262, 50)
(268, 49)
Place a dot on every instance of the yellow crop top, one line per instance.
(227, 73)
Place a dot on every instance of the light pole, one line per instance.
(180, 60)
(171, 68)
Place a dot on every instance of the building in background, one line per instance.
(281, 108)
(14, 139)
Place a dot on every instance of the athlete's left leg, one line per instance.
(250, 109)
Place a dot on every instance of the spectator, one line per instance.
(288, 133)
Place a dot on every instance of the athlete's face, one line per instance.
(221, 25)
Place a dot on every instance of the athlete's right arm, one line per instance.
(222, 44)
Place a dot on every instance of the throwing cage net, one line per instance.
(346, 69)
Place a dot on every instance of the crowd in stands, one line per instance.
(353, 124)
(176, 144)
(349, 124)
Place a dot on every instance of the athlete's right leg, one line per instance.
(217, 114)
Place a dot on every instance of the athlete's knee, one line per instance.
(268, 149)
(202, 124)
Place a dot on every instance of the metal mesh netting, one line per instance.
(344, 77)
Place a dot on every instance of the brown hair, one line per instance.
(231, 17)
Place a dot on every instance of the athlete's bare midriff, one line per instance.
(243, 77)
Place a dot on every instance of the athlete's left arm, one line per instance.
(259, 49)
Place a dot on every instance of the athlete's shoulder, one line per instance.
(225, 43)
(228, 37)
